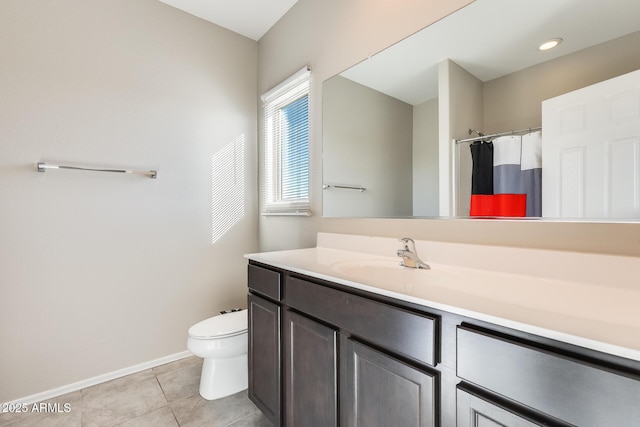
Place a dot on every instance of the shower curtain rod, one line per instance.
(42, 167)
(495, 135)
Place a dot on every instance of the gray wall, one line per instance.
(463, 94)
(100, 272)
(465, 111)
(367, 141)
(425, 159)
(514, 101)
(331, 36)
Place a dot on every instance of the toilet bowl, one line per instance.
(222, 342)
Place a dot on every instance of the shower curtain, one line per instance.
(484, 199)
(507, 177)
(531, 167)
(516, 167)
(482, 173)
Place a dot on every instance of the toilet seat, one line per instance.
(220, 326)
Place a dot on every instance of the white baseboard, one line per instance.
(49, 394)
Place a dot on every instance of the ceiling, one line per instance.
(251, 18)
(493, 38)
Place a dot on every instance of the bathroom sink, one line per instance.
(468, 288)
(377, 269)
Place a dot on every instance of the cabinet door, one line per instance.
(378, 390)
(310, 372)
(264, 357)
(474, 411)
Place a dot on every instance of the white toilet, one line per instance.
(222, 342)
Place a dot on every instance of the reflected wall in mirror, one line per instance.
(389, 122)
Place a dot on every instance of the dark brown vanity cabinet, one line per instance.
(376, 388)
(265, 312)
(474, 410)
(353, 358)
(311, 372)
(343, 359)
(565, 387)
(380, 390)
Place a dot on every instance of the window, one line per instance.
(285, 177)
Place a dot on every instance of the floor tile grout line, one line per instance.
(240, 419)
(167, 399)
(162, 389)
(82, 414)
(174, 416)
(82, 400)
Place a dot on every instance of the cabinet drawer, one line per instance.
(264, 281)
(564, 387)
(474, 410)
(397, 330)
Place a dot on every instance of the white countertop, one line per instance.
(588, 300)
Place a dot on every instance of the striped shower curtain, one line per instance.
(516, 167)
(531, 167)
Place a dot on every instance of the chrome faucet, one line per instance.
(409, 255)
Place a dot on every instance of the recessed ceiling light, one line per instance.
(550, 44)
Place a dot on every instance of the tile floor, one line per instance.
(165, 396)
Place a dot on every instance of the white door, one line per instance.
(591, 151)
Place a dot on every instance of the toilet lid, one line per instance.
(222, 325)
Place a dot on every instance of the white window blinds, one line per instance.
(285, 177)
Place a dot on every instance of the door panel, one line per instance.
(310, 372)
(474, 411)
(591, 151)
(264, 357)
(378, 390)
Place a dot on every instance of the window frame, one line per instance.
(286, 93)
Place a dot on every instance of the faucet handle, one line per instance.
(406, 241)
(409, 255)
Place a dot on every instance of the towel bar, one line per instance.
(42, 167)
(346, 187)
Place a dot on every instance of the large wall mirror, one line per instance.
(392, 123)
